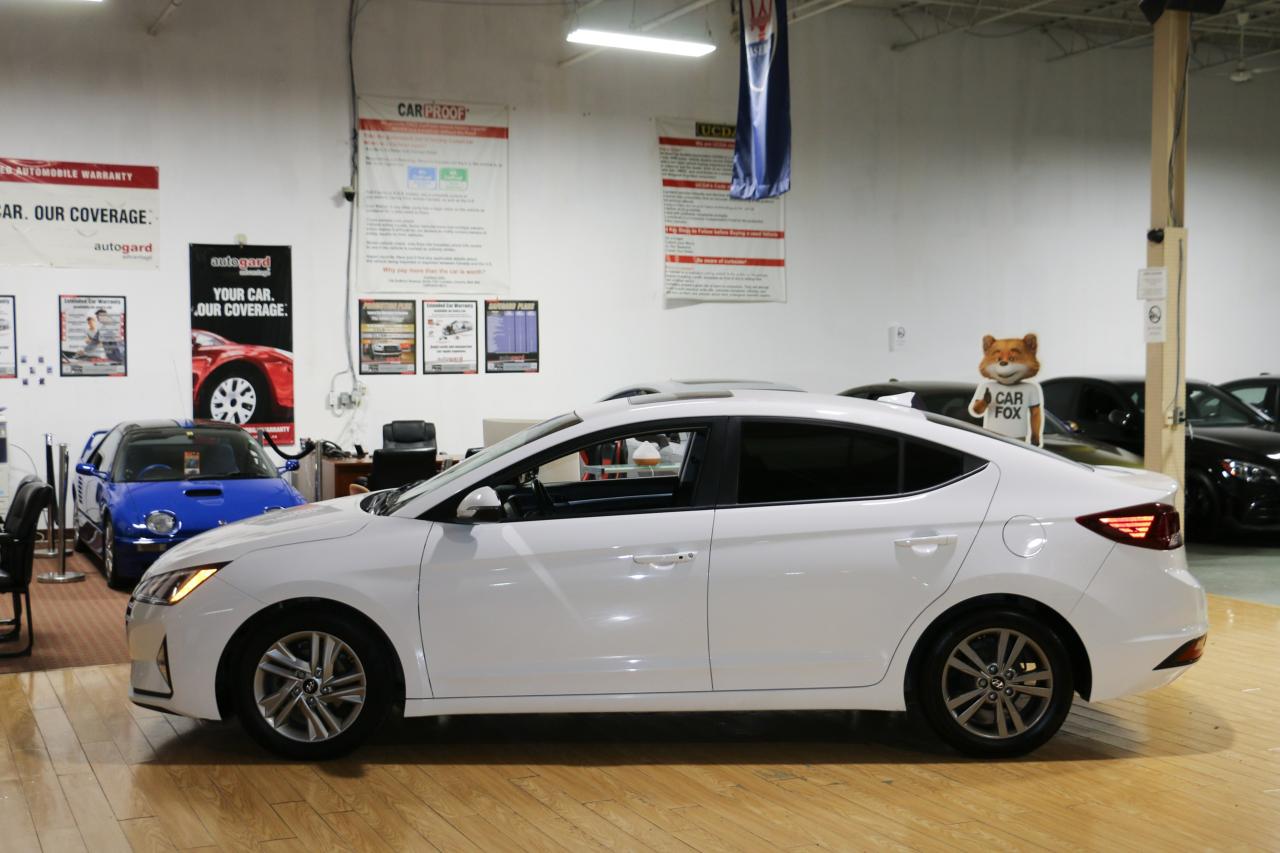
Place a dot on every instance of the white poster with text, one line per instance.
(717, 248)
(83, 215)
(432, 198)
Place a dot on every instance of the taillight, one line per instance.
(1155, 526)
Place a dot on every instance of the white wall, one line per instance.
(961, 187)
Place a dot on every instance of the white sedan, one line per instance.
(801, 552)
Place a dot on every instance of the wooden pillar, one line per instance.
(1164, 427)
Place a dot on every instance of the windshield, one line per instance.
(176, 453)
(388, 502)
(1210, 406)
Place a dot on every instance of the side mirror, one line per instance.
(1074, 426)
(86, 469)
(1120, 418)
(482, 504)
(289, 465)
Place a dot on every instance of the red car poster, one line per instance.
(242, 337)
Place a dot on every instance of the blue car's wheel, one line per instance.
(109, 568)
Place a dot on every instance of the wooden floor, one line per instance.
(1193, 766)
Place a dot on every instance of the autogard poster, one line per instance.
(90, 215)
(92, 335)
(450, 338)
(431, 209)
(717, 248)
(242, 337)
(388, 336)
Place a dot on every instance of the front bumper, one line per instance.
(1251, 506)
(134, 555)
(196, 629)
(1140, 608)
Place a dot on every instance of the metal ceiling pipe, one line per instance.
(159, 22)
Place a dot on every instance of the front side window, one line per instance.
(1254, 395)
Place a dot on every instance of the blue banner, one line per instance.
(762, 154)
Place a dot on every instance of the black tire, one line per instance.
(1038, 717)
(114, 581)
(365, 649)
(1204, 521)
(225, 381)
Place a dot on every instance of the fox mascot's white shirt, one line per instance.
(1009, 410)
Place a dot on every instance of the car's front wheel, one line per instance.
(995, 684)
(110, 569)
(312, 684)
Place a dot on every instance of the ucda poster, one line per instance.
(242, 337)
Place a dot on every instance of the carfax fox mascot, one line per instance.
(1007, 400)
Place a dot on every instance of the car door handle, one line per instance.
(925, 545)
(664, 559)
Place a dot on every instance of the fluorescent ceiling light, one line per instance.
(630, 41)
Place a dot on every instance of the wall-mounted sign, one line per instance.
(242, 337)
(432, 211)
(1155, 328)
(92, 335)
(64, 214)
(450, 337)
(717, 248)
(511, 336)
(8, 337)
(388, 336)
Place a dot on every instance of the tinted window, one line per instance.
(1057, 398)
(783, 461)
(1254, 395)
(925, 466)
(1097, 403)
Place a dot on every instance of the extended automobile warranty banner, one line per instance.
(717, 248)
(91, 215)
(242, 337)
(432, 198)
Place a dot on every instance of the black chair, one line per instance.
(17, 557)
(29, 478)
(393, 468)
(409, 435)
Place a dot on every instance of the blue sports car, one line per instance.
(142, 487)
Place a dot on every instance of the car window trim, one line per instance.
(728, 495)
(704, 493)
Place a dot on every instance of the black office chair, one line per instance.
(393, 468)
(29, 478)
(409, 435)
(17, 557)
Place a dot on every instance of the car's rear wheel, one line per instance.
(995, 684)
(312, 684)
(237, 396)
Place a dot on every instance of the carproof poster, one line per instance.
(92, 335)
(450, 338)
(718, 249)
(388, 336)
(55, 213)
(242, 337)
(432, 207)
(511, 336)
(8, 337)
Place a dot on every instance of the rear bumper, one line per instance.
(1140, 608)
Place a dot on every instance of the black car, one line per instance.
(952, 399)
(1233, 450)
(1261, 392)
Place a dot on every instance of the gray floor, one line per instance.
(1251, 571)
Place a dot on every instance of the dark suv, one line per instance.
(1233, 450)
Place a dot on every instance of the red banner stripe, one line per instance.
(728, 262)
(74, 174)
(696, 143)
(696, 185)
(433, 129)
(723, 232)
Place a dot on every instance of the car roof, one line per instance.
(902, 386)
(178, 423)
(1114, 379)
(675, 386)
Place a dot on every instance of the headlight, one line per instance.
(162, 522)
(1247, 471)
(172, 587)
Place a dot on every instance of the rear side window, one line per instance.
(1057, 398)
(784, 461)
(1254, 395)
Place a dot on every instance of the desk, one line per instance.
(337, 475)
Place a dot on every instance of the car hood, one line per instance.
(1261, 444)
(202, 504)
(333, 519)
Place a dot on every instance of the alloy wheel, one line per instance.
(309, 686)
(997, 683)
(109, 553)
(234, 400)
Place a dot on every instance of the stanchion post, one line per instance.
(51, 525)
(56, 511)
